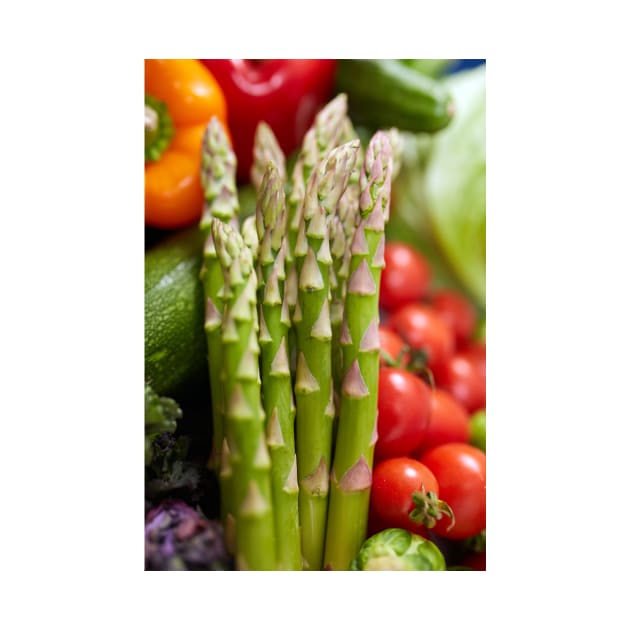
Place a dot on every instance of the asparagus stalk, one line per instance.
(343, 230)
(246, 450)
(218, 178)
(277, 388)
(313, 379)
(249, 232)
(351, 474)
(324, 135)
(266, 149)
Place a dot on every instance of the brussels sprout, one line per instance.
(398, 550)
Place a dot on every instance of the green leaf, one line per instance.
(439, 197)
(456, 183)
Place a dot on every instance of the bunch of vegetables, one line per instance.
(332, 366)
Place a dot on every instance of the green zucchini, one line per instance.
(174, 337)
(390, 93)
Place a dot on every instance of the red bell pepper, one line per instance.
(285, 93)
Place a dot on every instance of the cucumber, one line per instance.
(174, 336)
(389, 93)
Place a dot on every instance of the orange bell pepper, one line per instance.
(181, 96)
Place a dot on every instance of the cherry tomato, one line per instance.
(404, 407)
(457, 312)
(391, 500)
(450, 422)
(393, 345)
(375, 524)
(475, 561)
(476, 349)
(460, 470)
(463, 375)
(405, 278)
(423, 329)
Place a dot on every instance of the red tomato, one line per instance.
(404, 407)
(375, 524)
(423, 329)
(405, 278)
(460, 470)
(463, 376)
(457, 312)
(450, 422)
(393, 344)
(477, 349)
(393, 483)
(476, 561)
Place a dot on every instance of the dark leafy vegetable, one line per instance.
(160, 416)
(167, 470)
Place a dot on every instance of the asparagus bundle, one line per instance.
(246, 459)
(351, 475)
(313, 380)
(292, 328)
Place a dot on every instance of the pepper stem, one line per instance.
(158, 128)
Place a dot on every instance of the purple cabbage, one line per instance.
(179, 538)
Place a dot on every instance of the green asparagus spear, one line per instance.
(249, 233)
(324, 135)
(246, 449)
(218, 178)
(266, 149)
(344, 224)
(277, 389)
(313, 380)
(351, 475)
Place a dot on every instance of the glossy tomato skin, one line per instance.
(405, 278)
(392, 344)
(457, 312)
(423, 329)
(404, 408)
(463, 375)
(450, 422)
(460, 470)
(475, 561)
(393, 483)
